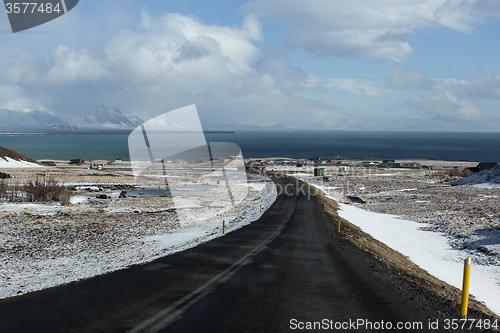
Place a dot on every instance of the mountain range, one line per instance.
(27, 115)
(102, 116)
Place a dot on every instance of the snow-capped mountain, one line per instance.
(106, 117)
(24, 105)
(27, 115)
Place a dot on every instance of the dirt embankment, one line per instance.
(434, 296)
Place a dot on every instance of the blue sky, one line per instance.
(359, 64)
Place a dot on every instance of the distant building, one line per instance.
(118, 159)
(411, 165)
(76, 161)
(255, 167)
(98, 164)
(48, 163)
(319, 172)
(469, 171)
(367, 164)
(486, 165)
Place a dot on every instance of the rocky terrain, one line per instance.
(469, 215)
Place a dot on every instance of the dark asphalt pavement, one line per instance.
(260, 278)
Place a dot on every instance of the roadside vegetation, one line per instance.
(35, 191)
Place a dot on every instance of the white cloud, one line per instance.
(173, 61)
(9, 92)
(70, 65)
(416, 79)
(366, 28)
(486, 87)
(353, 86)
(450, 83)
(445, 105)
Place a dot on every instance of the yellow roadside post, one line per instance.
(261, 208)
(324, 208)
(223, 227)
(339, 227)
(465, 288)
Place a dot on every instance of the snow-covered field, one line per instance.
(435, 225)
(43, 245)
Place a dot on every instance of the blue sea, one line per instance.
(292, 144)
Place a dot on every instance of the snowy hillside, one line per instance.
(489, 177)
(106, 117)
(13, 159)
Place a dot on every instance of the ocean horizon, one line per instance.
(452, 146)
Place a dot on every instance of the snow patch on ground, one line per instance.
(10, 163)
(429, 250)
(441, 253)
(47, 245)
(169, 240)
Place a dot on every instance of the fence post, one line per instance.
(223, 227)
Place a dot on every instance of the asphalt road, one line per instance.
(276, 274)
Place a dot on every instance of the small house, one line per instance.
(118, 159)
(469, 171)
(412, 165)
(486, 165)
(255, 167)
(76, 161)
(98, 164)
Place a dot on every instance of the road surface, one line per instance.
(274, 275)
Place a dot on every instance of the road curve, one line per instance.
(276, 274)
